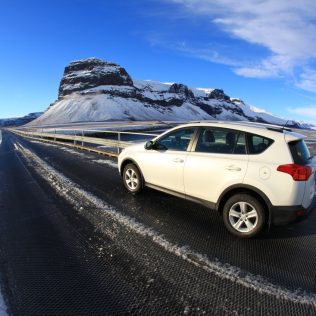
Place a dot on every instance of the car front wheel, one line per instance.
(244, 215)
(132, 178)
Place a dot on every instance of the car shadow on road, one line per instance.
(305, 227)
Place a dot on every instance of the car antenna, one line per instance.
(284, 126)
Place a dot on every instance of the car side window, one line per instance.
(221, 141)
(258, 144)
(177, 140)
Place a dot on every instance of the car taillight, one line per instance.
(298, 172)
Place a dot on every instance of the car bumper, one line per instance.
(283, 215)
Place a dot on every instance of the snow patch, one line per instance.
(43, 143)
(106, 162)
(152, 85)
(69, 150)
(258, 110)
(201, 92)
(81, 199)
(74, 152)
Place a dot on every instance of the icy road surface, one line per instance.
(74, 242)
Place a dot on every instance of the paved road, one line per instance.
(73, 242)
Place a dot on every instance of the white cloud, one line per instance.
(305, 111)
(207, 53)
(274, 66)
(286, 28)
(307, 80)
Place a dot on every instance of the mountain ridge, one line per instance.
(17, 121)
(96, 90)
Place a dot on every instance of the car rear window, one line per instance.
(300, 152)
(258, 144)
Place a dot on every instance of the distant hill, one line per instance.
(96, 90)
(17, 121)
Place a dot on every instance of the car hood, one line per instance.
(135, 147)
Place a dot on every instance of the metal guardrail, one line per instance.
(80, 139)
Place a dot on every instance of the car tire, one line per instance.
(244, 215)
(132, 178)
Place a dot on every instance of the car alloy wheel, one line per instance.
(244, 215)
(132, 178)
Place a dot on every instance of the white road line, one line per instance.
(0, 137)
(71, 191)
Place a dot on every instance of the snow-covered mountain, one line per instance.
(17, 121)
(96, 90)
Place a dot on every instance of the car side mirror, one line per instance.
(149, 145)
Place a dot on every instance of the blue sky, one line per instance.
(261, 51)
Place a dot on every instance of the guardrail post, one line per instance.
(82, 135)
(118, 142)
(75, 138)
(55, 135)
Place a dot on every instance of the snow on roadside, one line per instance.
(107, 162)
(84, 201)
(74, 152)
(69, 150)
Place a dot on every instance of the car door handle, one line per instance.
(178, 160)
(233, 168)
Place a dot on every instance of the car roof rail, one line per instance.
(271, 127)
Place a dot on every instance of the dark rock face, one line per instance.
(182, 90)
(91, 73)
(237, 101)
(235, 110)
(211, 110)
(219, 95)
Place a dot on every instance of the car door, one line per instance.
(218, 161)
(163, 165)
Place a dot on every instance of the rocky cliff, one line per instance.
(90, 73)
(97, 90)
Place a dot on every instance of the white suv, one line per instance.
(254, 174)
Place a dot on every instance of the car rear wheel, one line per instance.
(132, 178)
(244, 215)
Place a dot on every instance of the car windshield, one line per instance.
(177, 140)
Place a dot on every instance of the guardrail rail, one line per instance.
(108, 142)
